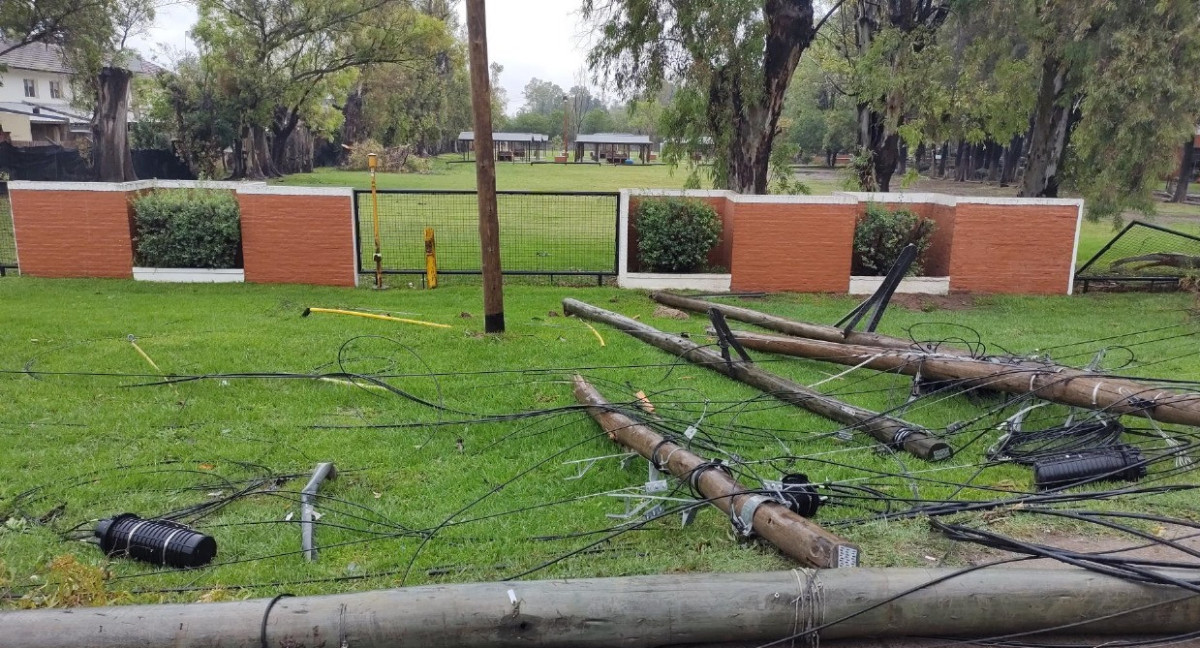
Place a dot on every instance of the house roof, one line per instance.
(469, 136)
(613, 138)
(43, 57)
(44, 114)
(36, 116)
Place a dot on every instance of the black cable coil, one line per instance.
(1121, 462)
(161, 542)
(800, 495)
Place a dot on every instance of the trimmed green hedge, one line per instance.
(882, 234)
(188, 228)
(675, 235)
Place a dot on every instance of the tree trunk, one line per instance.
(882, 148)
(110, 127)
(354, 127)
(1185, 171)
(239, 159)
(260, 150)
(255, 158)
(942, 162)
(1048, 140)
(1011, 160)
(282, 127)
(754, 120)
(995, 159)
(960, 168)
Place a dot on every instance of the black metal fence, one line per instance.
(540, 233)
(1143, 253)
(8, 242)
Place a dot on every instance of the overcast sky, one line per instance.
(530, 38)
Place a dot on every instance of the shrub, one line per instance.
(676, 235)
(397, 159)
(883, 233)
(192, 228)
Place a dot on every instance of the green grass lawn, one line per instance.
(87, 434)
(509, 177)
(1094, 236)
(538, 233)
(447, 175)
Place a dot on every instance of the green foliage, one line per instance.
(194, 228)
(1141, 100)
(390, 159)
(882, 234)
(733, 60)
(676, 235)
(542, 97)
(598, 120)
(204, 116)
(529, 122)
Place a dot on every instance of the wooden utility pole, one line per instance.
(1049, 382)
(889, 430)
(795, 536)
(485, 169)
(642, 612)
(566, 128)
(782, 324)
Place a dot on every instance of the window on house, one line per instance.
(55, 90)
(30, 88)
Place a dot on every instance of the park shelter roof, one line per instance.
(613, 138)
(469, 136)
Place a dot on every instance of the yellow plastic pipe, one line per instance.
(335, 311)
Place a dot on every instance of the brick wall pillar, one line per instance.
(74, 229)
(793, 243)
(1015, 246)
(299, 235)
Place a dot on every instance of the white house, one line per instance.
(36, 96)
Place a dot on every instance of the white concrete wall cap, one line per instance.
(276, 190)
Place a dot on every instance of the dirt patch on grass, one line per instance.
(930, 303)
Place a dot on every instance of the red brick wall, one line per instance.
(74, 233)
(793, 247)
(937, 257)
(299, 239)
(1015, 249)
(721, 254)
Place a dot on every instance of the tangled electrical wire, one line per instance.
(856, 480)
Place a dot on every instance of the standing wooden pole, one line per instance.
(566, 128)
(1049, 382)
(372, 163)
(485, 169)
(640, 612)
(795, 536)
(886, 429)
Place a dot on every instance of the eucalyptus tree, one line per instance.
(286, 60)
(732, 60)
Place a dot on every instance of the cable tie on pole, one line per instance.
(658, 465)
(902, 436)
(694, 477)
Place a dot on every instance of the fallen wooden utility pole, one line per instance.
(1049, 382)
(792, 534)
(782, 324)
(886, 429)
(639, 612)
